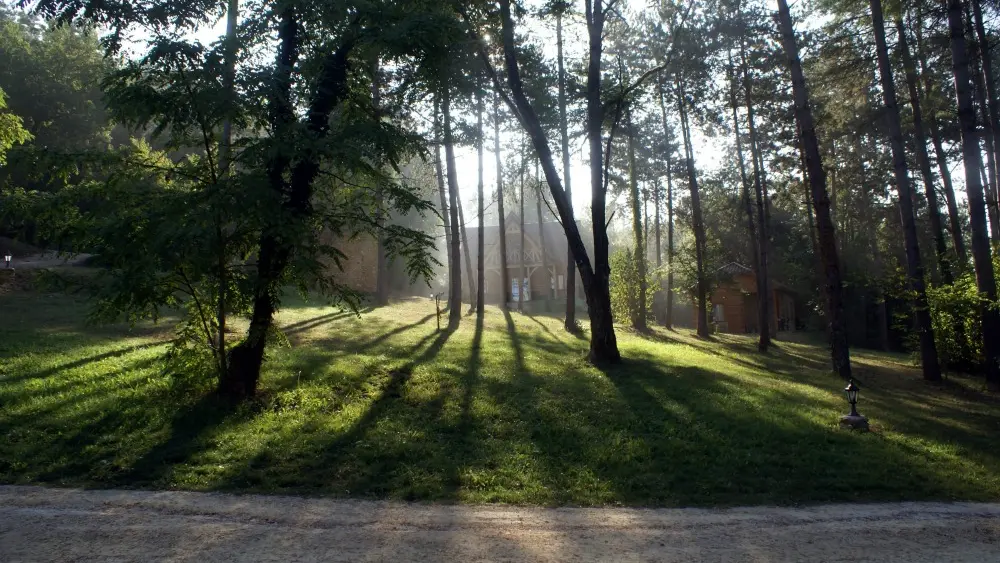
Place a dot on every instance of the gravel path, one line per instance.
(38, 524)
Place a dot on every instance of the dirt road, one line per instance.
(39, 524)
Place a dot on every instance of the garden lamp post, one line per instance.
(853, 420)
(7, 258)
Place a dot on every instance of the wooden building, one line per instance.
(734, 302)
(542, 260)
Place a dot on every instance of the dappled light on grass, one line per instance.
(382, 405)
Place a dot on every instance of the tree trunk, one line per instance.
(827, 240)
(979, 62)
(541, 231)
(481, 242)
(639, 252)
(985, 276)
(923, 160)
(439, 170)
(670, 211)
(914, 265)
(696, 217)
(225, 158)
(520, 250)
(504, 273)
(564, 139)
(656, 225)
(603, 343)
(455, 285)
(382, 267)
(470, 278)
(245, 359)
(955, 220)
(747, 205)
(764, 305)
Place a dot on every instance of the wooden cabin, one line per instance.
(734, 302)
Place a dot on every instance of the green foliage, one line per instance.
(956, 321)
(625, 286)
(12, 131)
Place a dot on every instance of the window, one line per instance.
(562, 282)
(717, 315)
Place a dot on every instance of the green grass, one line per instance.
(384, 406)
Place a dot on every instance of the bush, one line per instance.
(625, 287)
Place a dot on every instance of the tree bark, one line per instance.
(696, 217)
(455, 286)
(979, 62)
(923, 160)
(245, 359)
(225, 158)
(764, 305)
(603, 343)
(564, 141)
(481, 242)
(541, 234)
(639, 251)
(747, 204)
(520, 250)
(827, 240)
(955, 220)
(985, 275)
(504, 273)
(670, 210)
(439, 172)
(382, 267)
(914, 265)
(470, 278)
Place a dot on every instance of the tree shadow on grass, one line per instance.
(188, 434)
(319, 461)
(315, 322)
(118, 352)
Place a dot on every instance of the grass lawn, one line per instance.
(384, 406)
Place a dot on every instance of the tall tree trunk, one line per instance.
(747, 205)
(504, 273)
(670, 210)
(839, 352)
(439, 172)
(914, 265)
(382, 266)
(764, 305)
(275, 254)
(698, 223)
(992, 109)
(541, 233)
(521, 281)
(639, 251)
(603, 343)
(923, 160)
(225, 159)
(656, 225)
(979, 61)
(985, 276)
(470, 278)
(481, 239)
(455, 286)
(564, 141)
(955, 220)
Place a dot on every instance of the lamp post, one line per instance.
(853, 420)
(7, 258)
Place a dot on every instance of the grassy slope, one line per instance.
(385, 406)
